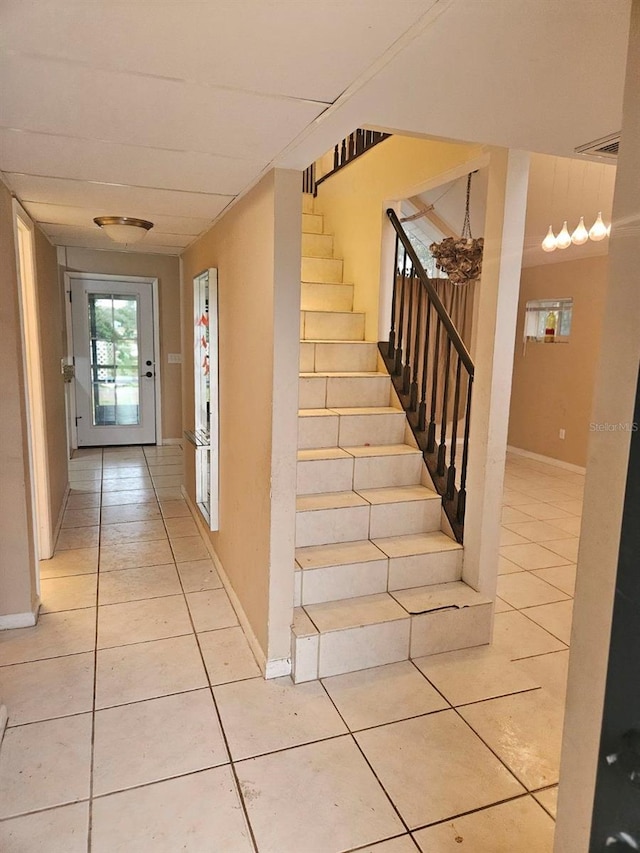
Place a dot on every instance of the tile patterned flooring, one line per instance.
(139, 720)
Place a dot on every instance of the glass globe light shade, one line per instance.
(580, 235)
(563, 240)
(598, 230)
(549, 242)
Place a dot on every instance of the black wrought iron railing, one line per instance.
(433, 374)
(344, 152)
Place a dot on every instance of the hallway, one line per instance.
(138, 718)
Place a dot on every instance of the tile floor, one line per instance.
(139, 720)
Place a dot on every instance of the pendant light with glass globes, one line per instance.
(580, 235)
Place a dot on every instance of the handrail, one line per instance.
(344, 152)
(432, 372)
(456, 340)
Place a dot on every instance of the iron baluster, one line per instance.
(451, 473)
(391, 351)
(403, 281)
(462, 494)
(406, 373)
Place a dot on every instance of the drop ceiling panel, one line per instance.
(83, 217)
(531, 75)
(95, 238)
(120, 200)
(85, 159)
(75, 100)
(301, 49)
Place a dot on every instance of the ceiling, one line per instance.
(560, 188)
(170, 110)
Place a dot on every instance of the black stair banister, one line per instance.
(432, 372)
(344, 152)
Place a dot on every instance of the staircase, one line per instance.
(378, 576)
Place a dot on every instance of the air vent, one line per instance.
(607, 146)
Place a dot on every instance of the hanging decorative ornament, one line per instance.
(549, 242)
(563, 240)
(580, 235)
(598, 230)
(460, 259)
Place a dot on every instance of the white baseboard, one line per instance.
(171, 441)
(4, 718)
(19, 620)
(548, 460)
(256, 648)
(61, 515)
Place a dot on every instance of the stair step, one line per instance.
(358, 633)
(445, 617)
(331, 326)
(325, 469)
(354, 572)
(384, 465)
(334, 390)
(420, 559)
(312, 223)
(338, 356)
(368, 425)
(307, 203)
(402, 510)
(371, 425)
(317, 428)
(320, 296)
(331, 517)
(321, 269)
(317, 245)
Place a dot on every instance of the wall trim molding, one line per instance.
(63, 506)
(548, 460)
(171, 441)
(256, 648)
(19, 620)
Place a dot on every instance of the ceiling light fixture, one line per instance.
(563, 240)
(123, 229)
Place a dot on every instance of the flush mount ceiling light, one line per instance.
(124, 229)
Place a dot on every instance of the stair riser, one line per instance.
(331, 326)
(326, 297)
(425, 569)
(305, 658)
(332, 583)
(346, 391)
(317, 246)
(449, 630)
(307, 357)
(378, 472)
(325, 526)
(321, 269)
(347, 357)
(321, 431)
(312, 223)
(399, 519)
(307, 203)
(325, 475)
(322, 392)
(372, 429)
(353, 649)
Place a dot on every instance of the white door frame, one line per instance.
(34, 384)
(132, 279)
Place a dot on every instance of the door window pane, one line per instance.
(115, 369)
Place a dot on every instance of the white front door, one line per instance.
(113, 350)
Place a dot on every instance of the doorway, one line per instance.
(113, 323)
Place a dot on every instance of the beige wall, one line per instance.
(167, 270)
(17, 557)
(553, 384)
(256, 249)
(353, 202)
(51, 314)
(607, 463)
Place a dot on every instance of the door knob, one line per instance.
(621, 841)
(148, 374)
